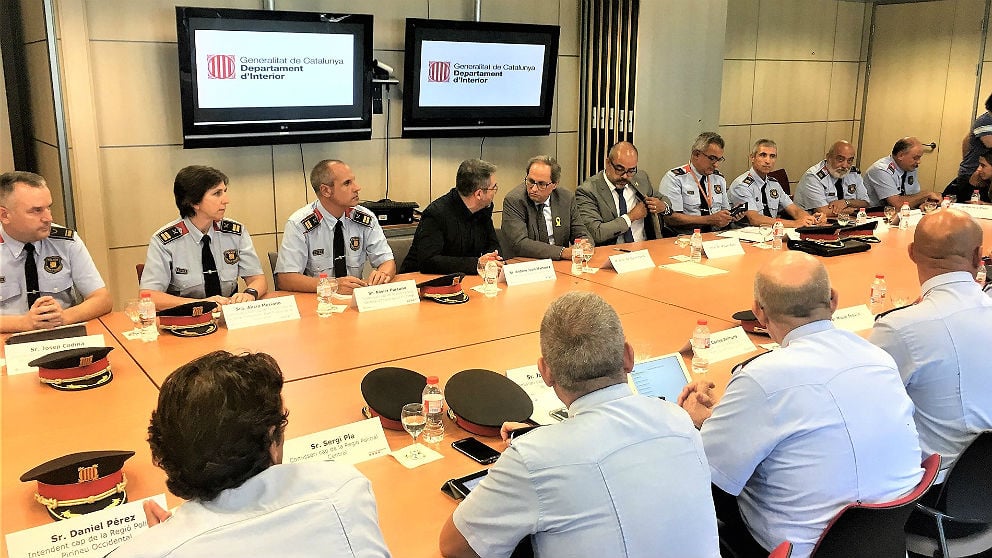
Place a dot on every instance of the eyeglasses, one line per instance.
(621, 170)
(540, 185)
(493, 188)
(713, 158)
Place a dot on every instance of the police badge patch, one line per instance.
(773, 194)
(718, 188)
(231, 256)
(850, 188)
(355, 243)
(53, 264)
(910, 180)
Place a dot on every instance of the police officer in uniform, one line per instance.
(333, 235)
(764, 196)
(833, 185)
(44, 268)
(893, 180)
(201, 255)
(699, 194)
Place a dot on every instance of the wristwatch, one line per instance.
(252, 292)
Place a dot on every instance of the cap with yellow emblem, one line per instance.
(75, 369)
(193, 319)
(80, 483)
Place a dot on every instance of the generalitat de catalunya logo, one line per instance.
(439, 71)
(220, 66)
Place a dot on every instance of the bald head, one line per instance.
(946, 240)
(794, 287)
(621, 150)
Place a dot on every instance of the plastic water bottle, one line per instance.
(491, 278)
(904, 217)
(862, 217)
(149, 322)
(975, 196)
(879, 294)
(981, 275)
(696, 247)
(325, 293)
(700, 347)
(778, 231)
(945, 203)
(433, 400)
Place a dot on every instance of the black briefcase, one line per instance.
(829, 249)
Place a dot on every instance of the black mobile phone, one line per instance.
(738, 210)
(479, 452)
(522, 431)
(559, 414)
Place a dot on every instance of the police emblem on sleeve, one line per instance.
(355, 243)
(773, 194)
(910, 180)
(53, 264)
(231, 256)
(850, 188)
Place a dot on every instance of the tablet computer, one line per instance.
(460, 487)
(60, 332)
(663, 377)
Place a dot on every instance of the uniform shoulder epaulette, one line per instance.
(172, 232)
(821, 174)
(62, 233)
(361, 217)
(887, 312)
(855, 170)
(678, 171)
(231, 227)
(717, 172)
(749, 179)
(311, 221)
(740, 366)
(771, 178)
(892, 167)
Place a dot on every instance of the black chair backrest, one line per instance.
(967, 489)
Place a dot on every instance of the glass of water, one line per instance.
(588, 249)
(843, 219)
(414, 421)
(890, 213)
(133, 311)
(765, 231)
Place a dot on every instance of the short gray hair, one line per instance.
(9, 179)
(547, 160)
(763, 142)
(582, 340)
(322, 174)
(705, 139)
(780, 300)
(473, 174)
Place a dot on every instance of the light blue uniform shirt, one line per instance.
(749, 187)
(817, 188)
(309, 237)
(623, 476)
(941, 347)
(884, 179)
(290, 510)
(681, 185)
(65, 268)
(174, 262)
(808, 428)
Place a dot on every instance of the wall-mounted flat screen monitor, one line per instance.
(259, 77)
(464, 78)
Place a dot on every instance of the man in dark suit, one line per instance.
(619, 204)
(539, 220)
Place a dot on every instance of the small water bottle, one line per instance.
(946, 202)
(696, 247)
(149, 321)
(433, 400)
(904, 217)
(490, 278)
(325, 294)
(778, 231)
(878, 295)
(981, 275)
(700, 347)
(577, 264)
(862, 217)
(975, 196)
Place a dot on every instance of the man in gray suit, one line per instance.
(619, 204)
(539, 220)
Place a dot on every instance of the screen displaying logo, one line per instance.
(220, 66)
(439, 71)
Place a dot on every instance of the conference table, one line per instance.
(325, 359)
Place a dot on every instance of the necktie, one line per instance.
(211, 281)
(629, 235)
(902, 187)
(839, 184)
(542, 225)
(31, 275)
(340, 268)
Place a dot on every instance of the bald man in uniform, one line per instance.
(834, 185)
(893, 180)
(940, 343)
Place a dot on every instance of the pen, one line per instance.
(622, 250)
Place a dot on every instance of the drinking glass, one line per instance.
(682, 241)
(414, 421)
(133, 311)
(890, 213)
(765, 231)
(843, 219)
(587, 251)
(928, 206)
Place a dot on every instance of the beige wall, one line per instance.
(6, 152)
(129, 123)
(793, 72)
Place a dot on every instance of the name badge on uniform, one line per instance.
(53, 264)
(231, 256)
(181, 271)
(318, 252)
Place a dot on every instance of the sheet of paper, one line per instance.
(408, 457)
(694, 269)
(625, 262)
(722, 248)
(748, 234)
(388, 295)
(534, 271)
(544, 398)
(91, 536)
(259, 312)
(729, 343)
(20, 354)
(854, 318)
(350, 443)
(975, 210)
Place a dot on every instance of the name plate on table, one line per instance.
(544, 398)
(387, 295)
(855, 318)
(94, 534)
(258, 312)
(351, 443)
(631, 261)
(722, 248)
(529, 272)
(18, 356)
(975, 210)
(729, 343)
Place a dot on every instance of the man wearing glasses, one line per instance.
(539, 220)
(619, 205)
(699, 193)
(456, 231)
(764, 197)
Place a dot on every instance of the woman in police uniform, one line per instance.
(201, 255)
